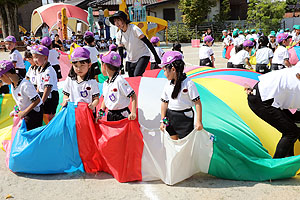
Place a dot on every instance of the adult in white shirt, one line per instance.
(270, 99)
(132, 39)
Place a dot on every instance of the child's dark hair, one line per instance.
(179, 66)
(12, 71)
(263, 42)
(177, 47)
(238, 48)
(113, 68)
(27, 54)
(89, 75)
(89, 39)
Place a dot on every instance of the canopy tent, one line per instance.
(48, 14)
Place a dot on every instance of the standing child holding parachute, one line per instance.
(178, 97)
(80, 86)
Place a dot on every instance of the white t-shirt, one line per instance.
(236, 41)
(239, 58)
(273, 44)
(232, 53)
(254, 36)
(159, 52)
(84, 91)
(32, 75)
(263, 55)
(280, 54)
(186, 97)
(205, 52)
(93, 53)
(117, 93)
(46, 77)
(242, 39)
(283, 86)
(227, 40)
(53, 57)
(135, 47)
(248, 37)
(15, 56)
(24, 94)
(296, 38)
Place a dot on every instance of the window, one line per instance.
(169, 14)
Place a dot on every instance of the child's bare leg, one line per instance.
(174, 137)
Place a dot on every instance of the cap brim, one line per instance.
(111, 20)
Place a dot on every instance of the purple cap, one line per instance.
(248, 43)
(208, 38)
(154, 40)
(112, 47)
(169, 57)
(79, 54)
(112, 58)
(40, 49)
(10, 39)
(5, 66)
(88, 33)
(281, 37)
(46, 41)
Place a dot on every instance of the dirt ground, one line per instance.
(104, 186)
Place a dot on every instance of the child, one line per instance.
(103, 44)
(179, 96)
(236, 39)
(46, 81)
(206, 53)
(177, 47)
(296, 37)
(248, 35)
(242, 38)
(116, 90)
(159, 51)
(233, 51)
(53, 57)
(80, 86)
(31, 75)
(15, 56)
(272, 41)
(264, 55)
(227, 39)
(94, 53)
(113, 47)
(27, 99)
(241, 58)
(281, 54)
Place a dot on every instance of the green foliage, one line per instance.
(185, 34)
(224, 12)
(195, 11)
(290, 4)
(265, 14)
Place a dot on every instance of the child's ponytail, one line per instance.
(179, 66)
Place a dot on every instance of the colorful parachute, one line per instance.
(236, 144)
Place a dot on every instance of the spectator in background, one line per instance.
(57, 43)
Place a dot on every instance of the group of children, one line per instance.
(36, 92)
(271, 52)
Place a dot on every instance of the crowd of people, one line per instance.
(36, 91)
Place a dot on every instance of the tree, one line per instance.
(195, 11)
(224, 12)
(291, 5)
(8, 16)
(265, 14)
